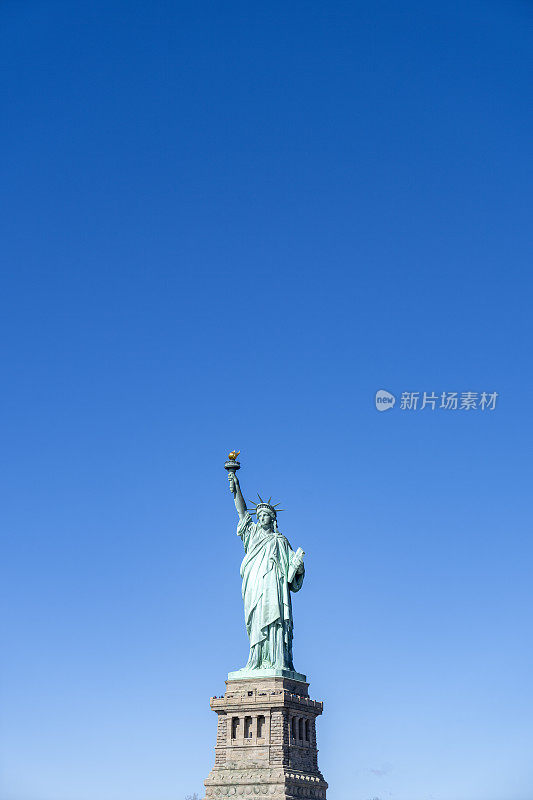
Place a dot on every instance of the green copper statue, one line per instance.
(270, 571)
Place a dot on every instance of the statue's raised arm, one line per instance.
(232, 465)
(235, 488)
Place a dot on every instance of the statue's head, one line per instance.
(266, 517)
(266, 514)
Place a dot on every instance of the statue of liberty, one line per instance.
(270, 571)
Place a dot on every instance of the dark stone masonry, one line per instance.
(266, 742)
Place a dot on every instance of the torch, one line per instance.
(232, 465)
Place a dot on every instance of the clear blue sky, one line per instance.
(227, 225)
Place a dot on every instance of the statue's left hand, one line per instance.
(300, 567)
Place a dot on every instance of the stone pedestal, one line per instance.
(266, 742)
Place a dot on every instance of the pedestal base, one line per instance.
(266, 740)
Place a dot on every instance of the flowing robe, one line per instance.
(268, 574)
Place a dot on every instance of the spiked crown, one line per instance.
(262, 504)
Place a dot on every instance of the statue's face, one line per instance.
(265, 520)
